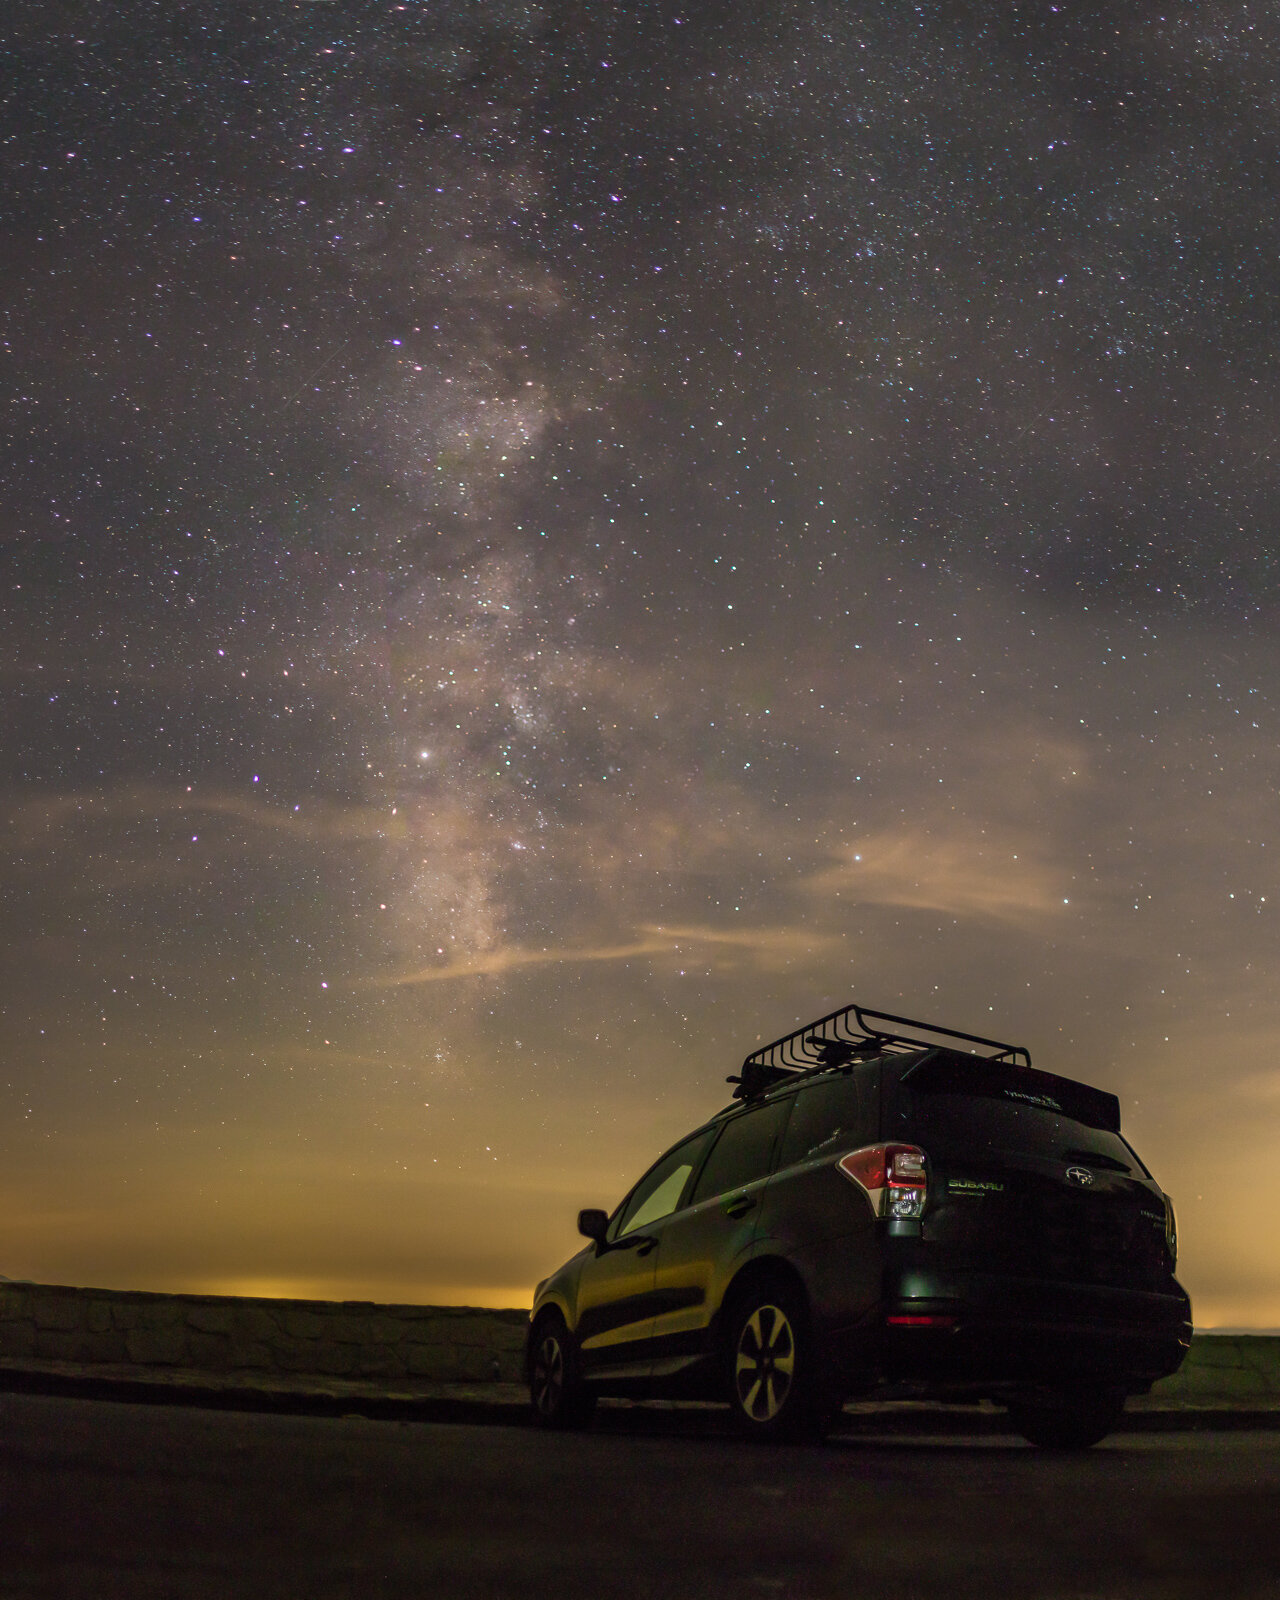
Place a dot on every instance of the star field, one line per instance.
(549, 543)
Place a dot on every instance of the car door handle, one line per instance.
(645, 1245)
(740, 1206)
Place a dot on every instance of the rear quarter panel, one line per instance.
(820, 1221)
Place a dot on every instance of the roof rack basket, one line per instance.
(845, 1035)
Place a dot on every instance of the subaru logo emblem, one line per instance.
(1080, 1175)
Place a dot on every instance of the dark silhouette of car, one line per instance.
(884, 1216)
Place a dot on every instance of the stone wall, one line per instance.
(443, 1344)
(213, 1333)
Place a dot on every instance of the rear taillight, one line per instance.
(1170, 1232)
(894, 1177)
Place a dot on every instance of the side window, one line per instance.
(833, 1112)
(658, 1193)
(744, 1151)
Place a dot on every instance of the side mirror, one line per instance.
(593, 1223)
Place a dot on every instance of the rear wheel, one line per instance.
(775, 1385)
(557, 1393)
(1067, 1419)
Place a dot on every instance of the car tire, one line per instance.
(559, 1397)
(775, 1380)
(1067, 1419)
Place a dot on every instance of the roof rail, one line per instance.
(843, 1036)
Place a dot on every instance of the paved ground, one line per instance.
(105, 1500)
(424, 1400)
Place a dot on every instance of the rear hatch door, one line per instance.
(1029, 1176)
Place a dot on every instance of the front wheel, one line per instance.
(557, 1393)
(1067, 1419)
(775, 1385)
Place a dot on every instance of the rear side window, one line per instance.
(743, 1152)
(839, 1112)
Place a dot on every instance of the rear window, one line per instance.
(960, 1103)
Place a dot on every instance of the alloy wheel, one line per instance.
(764, 1364)
(548, 1375)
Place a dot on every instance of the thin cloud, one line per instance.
(768, 947)
(917, 870)
(316, 819)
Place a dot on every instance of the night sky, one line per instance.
(544, 546)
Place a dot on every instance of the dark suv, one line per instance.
(884, 1216)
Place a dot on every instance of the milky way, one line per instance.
(546, 545)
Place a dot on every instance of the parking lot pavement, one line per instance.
(507, 1403)
(116, 1501)
(252, 1391)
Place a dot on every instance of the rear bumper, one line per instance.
(981, 1329)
